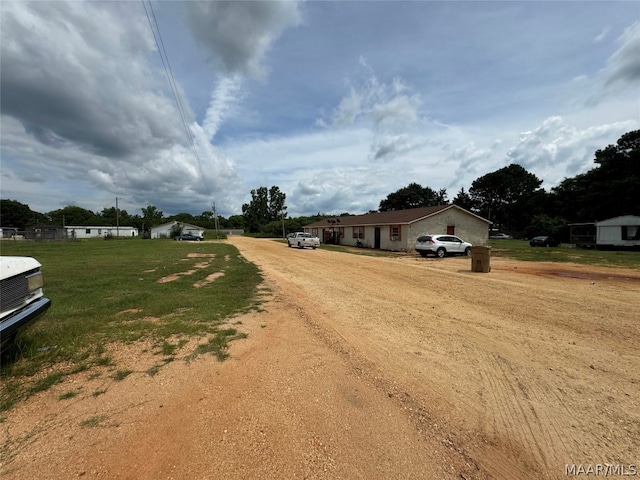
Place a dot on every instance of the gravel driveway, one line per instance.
(373, 368)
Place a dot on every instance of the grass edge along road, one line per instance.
(126, 291)
(566, 253)
(521, 250)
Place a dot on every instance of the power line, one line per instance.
(169, 72)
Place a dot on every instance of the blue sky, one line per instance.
(337, 103)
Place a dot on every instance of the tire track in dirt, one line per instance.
(501, 360)
(365, 367)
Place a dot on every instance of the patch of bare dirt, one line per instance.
(365, 367)
(198, 266)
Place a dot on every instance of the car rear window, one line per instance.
(424, 238)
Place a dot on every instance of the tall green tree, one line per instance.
(112, 216)
(235, 222)
(412, 196)
(610, 189)
(265, 206)
(151, 216)
(184, 218)
(72, 215)
(462, 199)
(277, 208)
(545, 225)
(19, 215)
(502, 196)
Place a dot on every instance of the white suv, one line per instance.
(442, 245)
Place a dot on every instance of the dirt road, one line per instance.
(372, 368)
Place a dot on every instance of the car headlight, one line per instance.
(34, 281)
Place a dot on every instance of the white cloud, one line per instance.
(392, 114)
(83, 90)
(241, 33)
(602, 35)
(556, 150)
(70, 73)
(227, 92)
(623, 68)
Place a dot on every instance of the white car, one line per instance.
(442, 245)
(22, 296)
(302, 240)
(500, 236)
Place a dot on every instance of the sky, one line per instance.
(181, 105)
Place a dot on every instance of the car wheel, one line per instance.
(299, 245)
(441, 252)
(288, 245)
(423, 254)
(467, 251)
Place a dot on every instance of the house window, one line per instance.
(88, 231)
(314, 232)
(358, 232)
(451, 230)
(630, 232)
(394, 232)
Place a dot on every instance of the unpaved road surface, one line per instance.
(364, 367)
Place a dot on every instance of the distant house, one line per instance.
(621, 231)
(616, 232)
(77, 231)
(45, 232)
(233, 231)
(164, 230)
(398, 230)
(583, 235)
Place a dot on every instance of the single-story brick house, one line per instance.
(164, 230)
(398, 230)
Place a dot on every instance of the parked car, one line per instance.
(188, 237)
(22, 297)
(544, 241)
(302, 240)
(442, 245)
(500, 236)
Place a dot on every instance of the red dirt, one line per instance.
(365, 367)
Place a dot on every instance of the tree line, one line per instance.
(511, 197)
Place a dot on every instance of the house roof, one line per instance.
(173, 222)
(622, 220)
(394, 217)
(104, 227)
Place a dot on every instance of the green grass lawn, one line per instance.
(117, 291)
(521, 250)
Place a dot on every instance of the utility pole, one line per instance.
(215, 218)
(117, 220)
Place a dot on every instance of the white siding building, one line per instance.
(164, 230)
(621, 231)
(76, 231)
